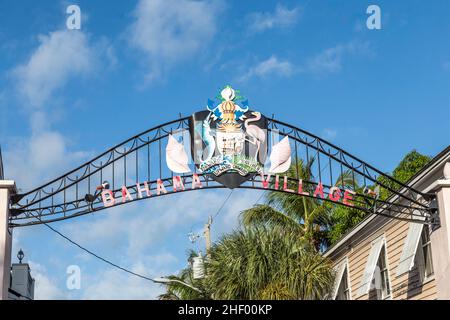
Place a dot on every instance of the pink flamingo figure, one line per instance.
(255, 132)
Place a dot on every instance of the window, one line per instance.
(413, 249)
(341, 289)
(371, 267)
(382, 285)
(343, 292)
(425, 260)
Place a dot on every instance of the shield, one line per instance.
(229, 143)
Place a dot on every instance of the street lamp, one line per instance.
(164, 280)
(20, 255)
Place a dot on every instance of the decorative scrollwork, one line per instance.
(65, 197)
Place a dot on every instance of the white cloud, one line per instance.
(331, 59)
(16, 240)
(267, 68)
(142, 225)
(114, 284)
(145, 230)
(170, 31)
(46, 288)
(39, 158)
(328, 61)
(229, 219)
(160, 260)
(281, 18)
(137, 227)
(60, 55)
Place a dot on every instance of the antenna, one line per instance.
(193, 237)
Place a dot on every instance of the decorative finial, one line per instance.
(228, 93)
(20, 255)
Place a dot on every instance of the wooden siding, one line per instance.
(408, 285)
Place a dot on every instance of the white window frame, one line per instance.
(369, 270)
(345, 277)
(345, 270)
(421, 267)
(386, 261)
(410, 247)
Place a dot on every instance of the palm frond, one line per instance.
(264, 263)
(320, 215)
(264, 215)
(347, 180)
(168, 296)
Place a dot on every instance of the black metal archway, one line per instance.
(141, 158)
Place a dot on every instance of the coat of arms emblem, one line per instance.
(228, 140)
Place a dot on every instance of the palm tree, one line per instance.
(308, 217)
(267, 263)
(271, 257)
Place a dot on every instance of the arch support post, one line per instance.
(440, 237)
(7, 188)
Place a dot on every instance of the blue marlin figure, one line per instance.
(204, 130)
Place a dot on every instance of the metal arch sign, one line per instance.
(266, 182)
(228, 143)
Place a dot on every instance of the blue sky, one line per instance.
(66, 96)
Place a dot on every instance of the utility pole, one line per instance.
(207, 233)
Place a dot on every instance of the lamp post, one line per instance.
(20, 255)
(164, 280)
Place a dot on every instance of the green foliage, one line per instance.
(267, 263)
(309, 218)
(275, 255)
(288, 211)
(346, 218)
(412, 163)
(257, 263)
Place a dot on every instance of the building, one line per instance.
(387, 258)
(21, 283)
